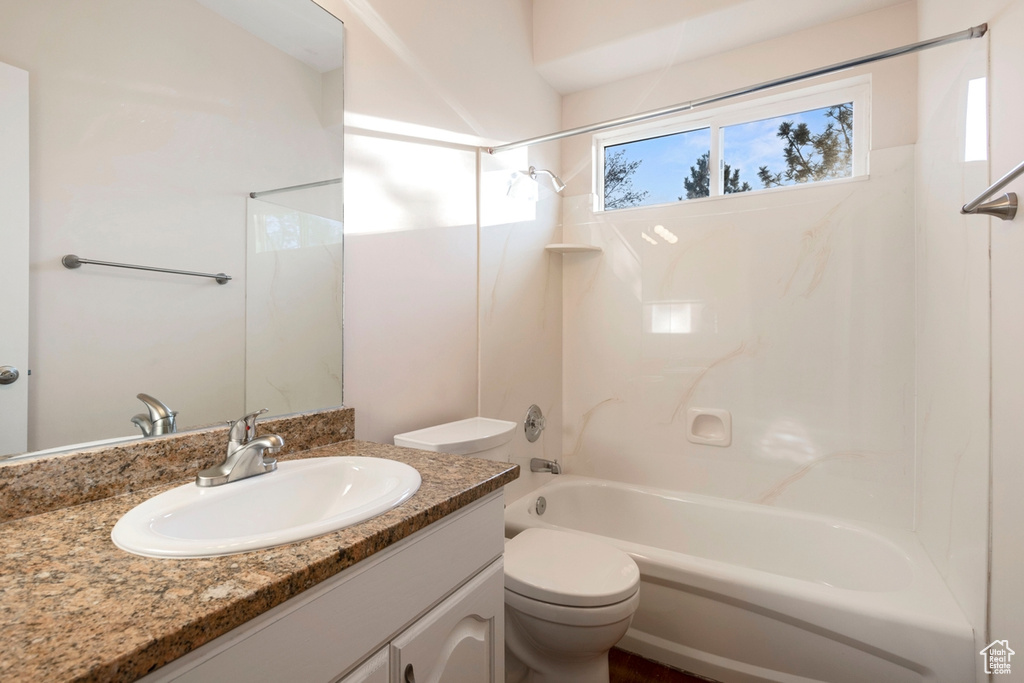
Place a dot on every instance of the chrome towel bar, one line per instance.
(72, 261)
(1005, 207)
(291, 188)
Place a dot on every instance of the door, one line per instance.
(373, 670)
(462, 640)
(14, 264)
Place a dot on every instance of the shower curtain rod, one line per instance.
(973, 32)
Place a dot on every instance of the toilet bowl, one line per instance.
(568, 597)
(568, 600)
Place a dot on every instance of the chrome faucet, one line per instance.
(541, 465)
(247, 454)
(160, 419)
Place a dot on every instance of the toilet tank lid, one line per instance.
(570, 569)
(465, 436)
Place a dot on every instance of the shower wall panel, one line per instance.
(791, 309)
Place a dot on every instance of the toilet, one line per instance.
(568, 597)
(480, 437)
(568, 600)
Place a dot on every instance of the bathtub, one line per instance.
(740, 592)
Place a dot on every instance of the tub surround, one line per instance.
(75, 607)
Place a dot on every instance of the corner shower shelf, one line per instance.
(572, 248)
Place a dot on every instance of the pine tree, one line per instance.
(811, 157)
(699, 182)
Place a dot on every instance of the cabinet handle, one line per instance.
(410, 677)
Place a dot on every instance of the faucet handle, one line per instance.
(244, 429)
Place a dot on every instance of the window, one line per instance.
(976, 121)
(805, 147)
(647, 171)
(811, 136)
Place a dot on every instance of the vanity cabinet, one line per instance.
(459, 641)
(376, 669)
(427, 608)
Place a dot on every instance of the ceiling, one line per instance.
(581, 44)
(301, 30)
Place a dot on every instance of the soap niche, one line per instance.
(709, 426)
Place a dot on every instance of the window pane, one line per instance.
(659, 170)
(797, 148)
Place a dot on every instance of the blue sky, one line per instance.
(746, 146)
(666, 162)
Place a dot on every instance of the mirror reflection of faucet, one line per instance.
(160, 419)
(246, 455)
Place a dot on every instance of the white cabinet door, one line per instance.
(14, 252)
(373, 670)
(462, 640)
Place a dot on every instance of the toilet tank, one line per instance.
(480, 437)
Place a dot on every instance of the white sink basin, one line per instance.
(302, 499)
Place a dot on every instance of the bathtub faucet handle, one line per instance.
(542, 465)
(534, 423)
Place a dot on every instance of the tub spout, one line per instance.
(542, 465)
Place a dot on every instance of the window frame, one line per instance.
(856, 90)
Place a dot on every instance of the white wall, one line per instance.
(807, 296)
(148, 160)
(425, 84)
(952, 329)
(521, 307)
(1006, 69)
(1006, 593)
(14, 232)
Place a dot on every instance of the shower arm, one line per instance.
(556, 182)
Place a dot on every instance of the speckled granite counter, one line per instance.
(73, 607)
(60, 480)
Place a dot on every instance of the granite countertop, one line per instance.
(73, 607)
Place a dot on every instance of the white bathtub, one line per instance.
(741, 592)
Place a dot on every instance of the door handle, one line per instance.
(9, 374)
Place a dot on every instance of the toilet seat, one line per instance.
(573, 616)
(570, 570)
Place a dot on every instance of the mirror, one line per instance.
(150, 123)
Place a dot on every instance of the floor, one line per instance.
(627, 667)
